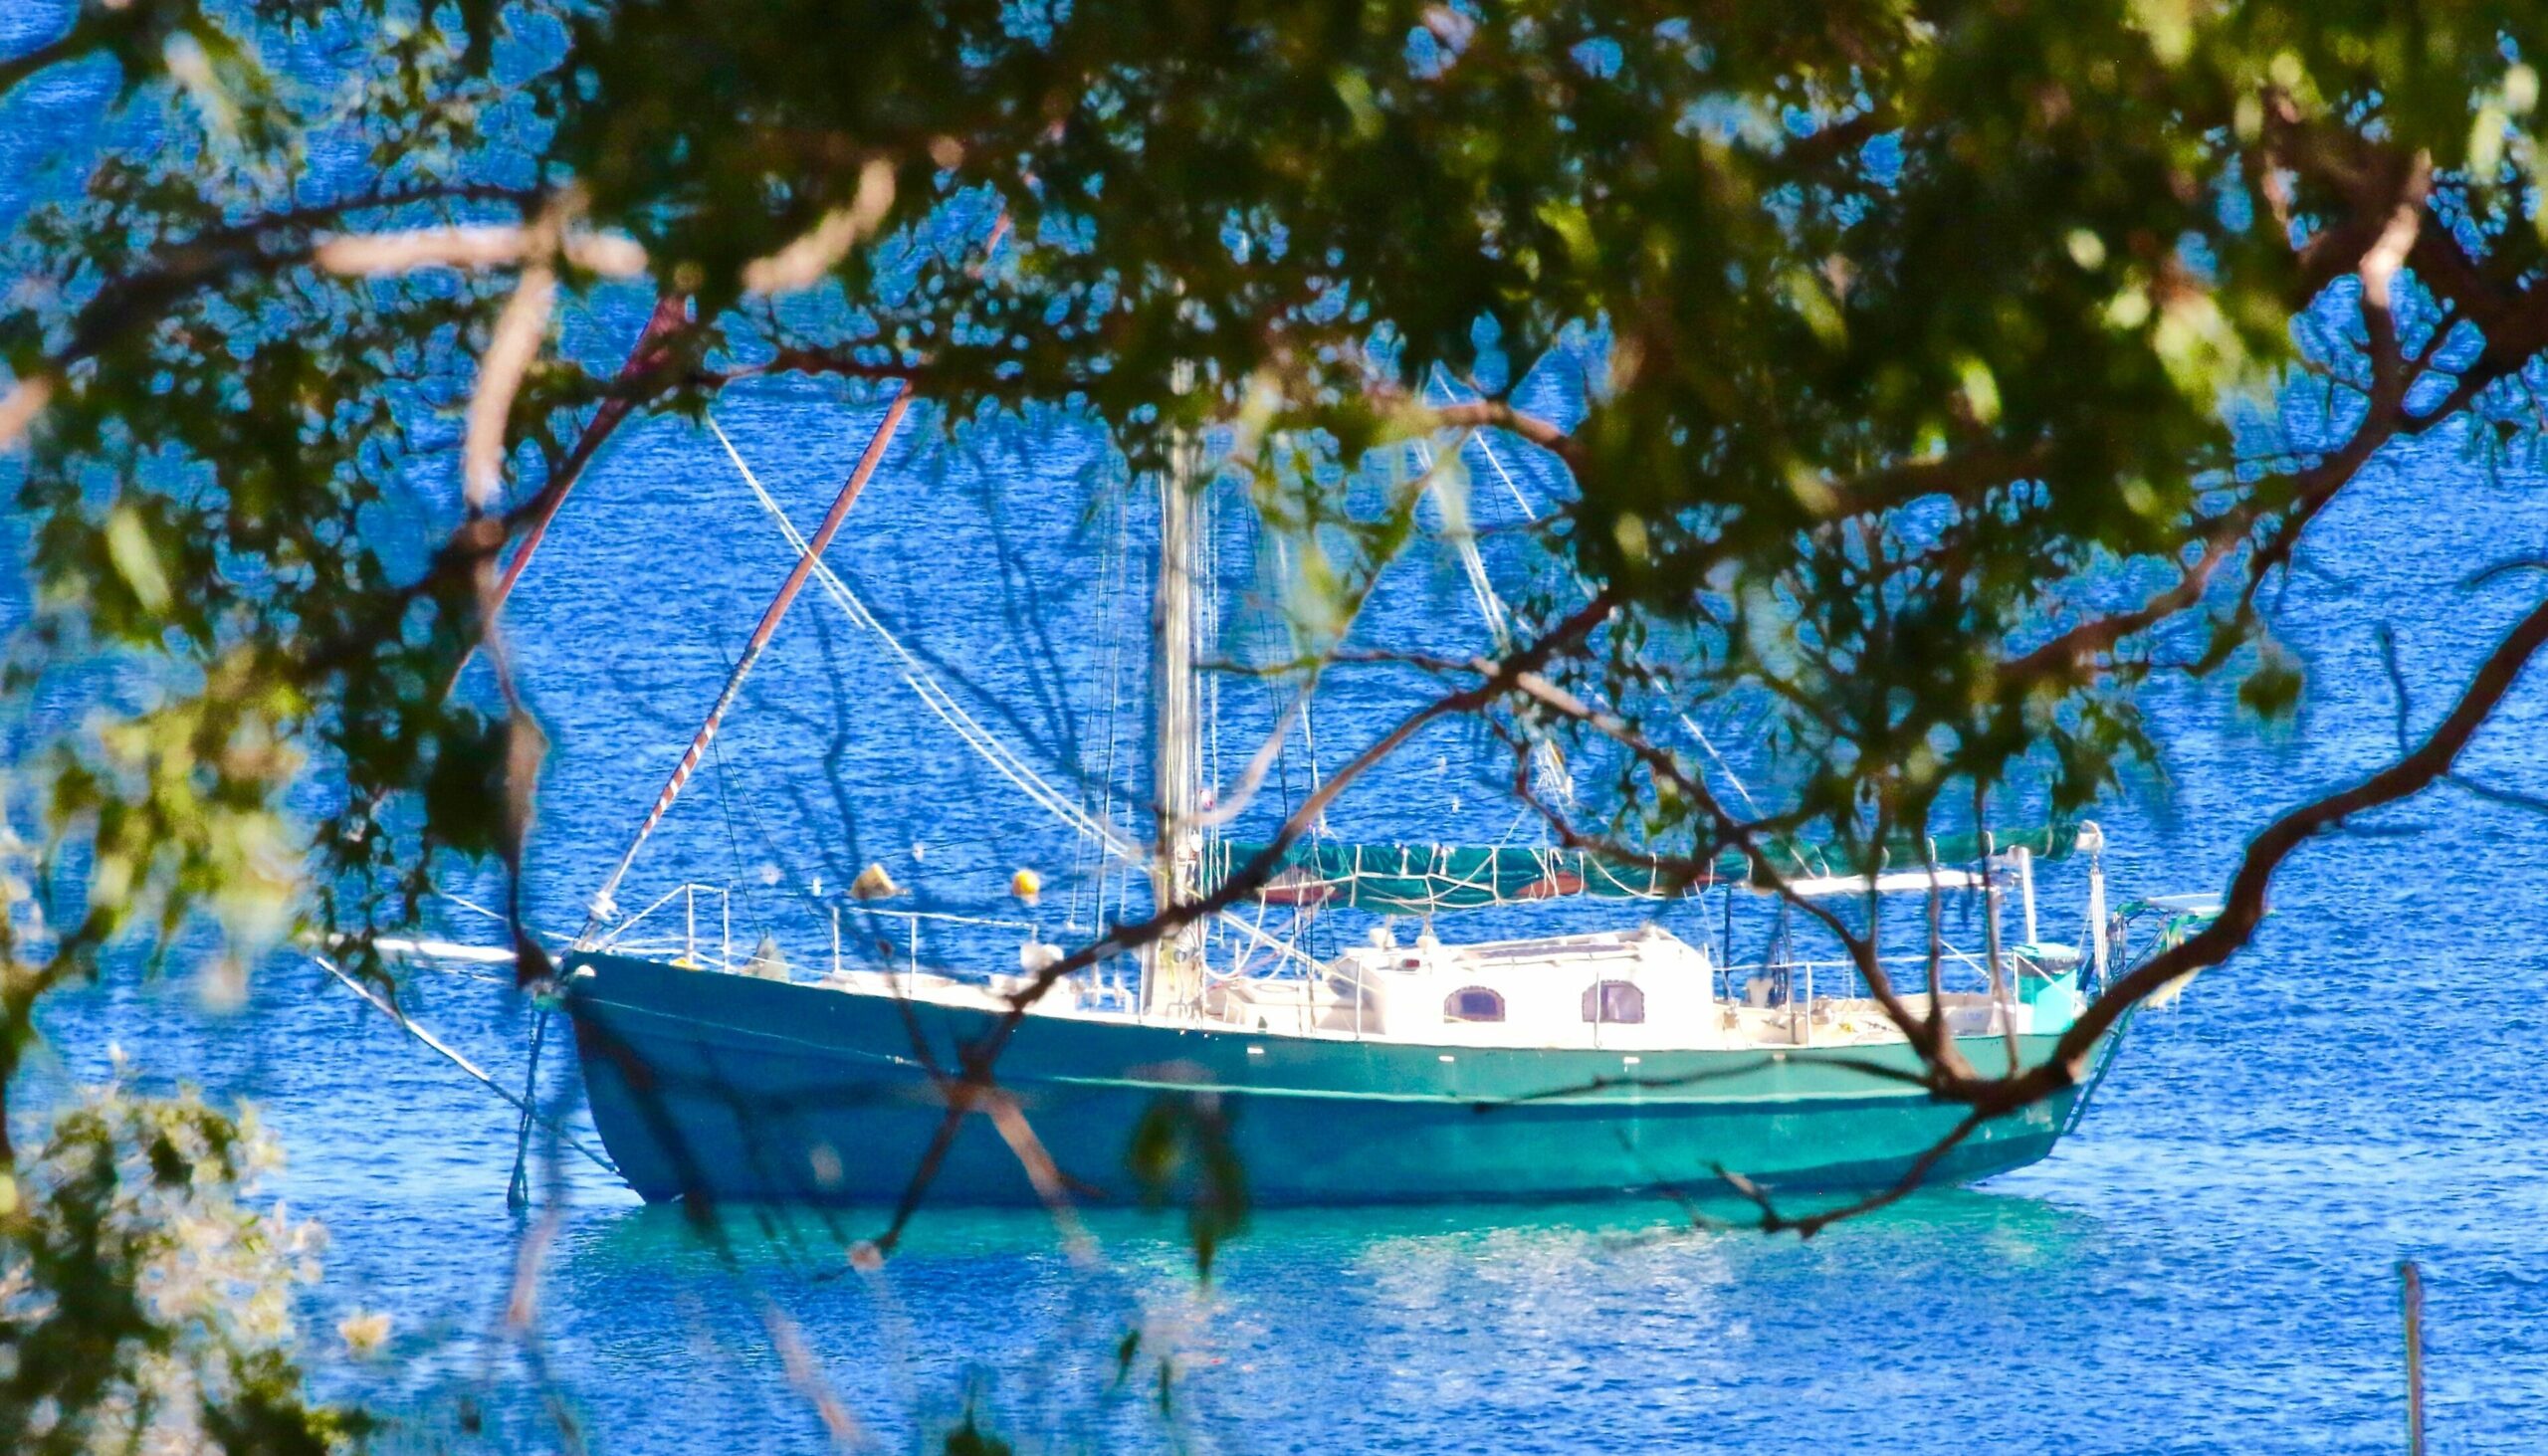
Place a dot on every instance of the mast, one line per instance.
(1171, 969)
(2093, 840)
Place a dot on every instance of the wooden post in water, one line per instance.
(2412, 1294)
(518, 1187)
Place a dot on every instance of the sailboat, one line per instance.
(1555, 1067)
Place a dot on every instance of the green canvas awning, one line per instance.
(1794, 858)
(1421, 879)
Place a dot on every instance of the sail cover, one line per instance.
(1423, 879)
(1426, 878)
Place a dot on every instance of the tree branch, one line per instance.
(267, 244)
(1496, 414)
(1805, 1228)
(2244, 907)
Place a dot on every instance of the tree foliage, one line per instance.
(142, 1307)
(1946, 358)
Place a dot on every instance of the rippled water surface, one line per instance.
(2208, 1264)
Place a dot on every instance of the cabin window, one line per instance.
(1615, 1001)
(1473, 1003)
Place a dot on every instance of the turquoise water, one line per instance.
(2208, 1264)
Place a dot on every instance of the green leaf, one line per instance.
(2271, 690)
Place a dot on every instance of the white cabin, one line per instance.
(1636, 988)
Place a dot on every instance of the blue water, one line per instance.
(2208, 1264)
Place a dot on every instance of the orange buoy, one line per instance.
(1026, 885)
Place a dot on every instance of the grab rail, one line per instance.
(688, 894)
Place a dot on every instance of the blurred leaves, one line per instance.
(1182, 1156)
(142, 1304)
(967, 1438)
(2272, 689)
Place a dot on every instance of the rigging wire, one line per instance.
(868, 462)
(1548, 765)
(917, 676)
(733, 841)
(1531, 514)
(1309, 731)
(1084, 861)
(924, 684)
(1113, 871)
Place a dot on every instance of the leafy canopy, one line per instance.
(1910, 315)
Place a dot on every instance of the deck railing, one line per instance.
(616, 938)
(1801, 973)
(912, 922)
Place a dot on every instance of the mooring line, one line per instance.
(408, 1024)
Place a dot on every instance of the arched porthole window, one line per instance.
(1615, 1001)
(1473, 1003)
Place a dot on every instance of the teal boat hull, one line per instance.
(741, 1088)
